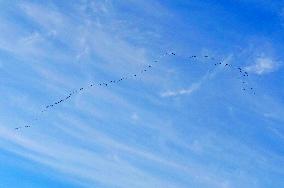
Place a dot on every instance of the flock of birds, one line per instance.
(241, 71)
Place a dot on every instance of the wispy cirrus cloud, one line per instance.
(186, 91)
(263, 65)
(90, 139)
(194, 86)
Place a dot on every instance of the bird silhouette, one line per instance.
(245, 74)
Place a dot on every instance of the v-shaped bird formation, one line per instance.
(244, 74)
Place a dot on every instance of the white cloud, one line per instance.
(100, 7)
(46, 17)
(134, 117)
(194, 87)
(187, 91)
(263, 65)
(50, 147)
(94, 167)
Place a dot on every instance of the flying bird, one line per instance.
(47, 107)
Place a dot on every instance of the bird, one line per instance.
(243, 73)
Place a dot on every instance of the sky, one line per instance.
(178, 125)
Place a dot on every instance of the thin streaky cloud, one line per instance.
(263, 65)
(186, 91)
(129, 134)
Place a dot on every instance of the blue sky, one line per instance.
(179, 125)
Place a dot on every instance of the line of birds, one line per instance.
(242, 72)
